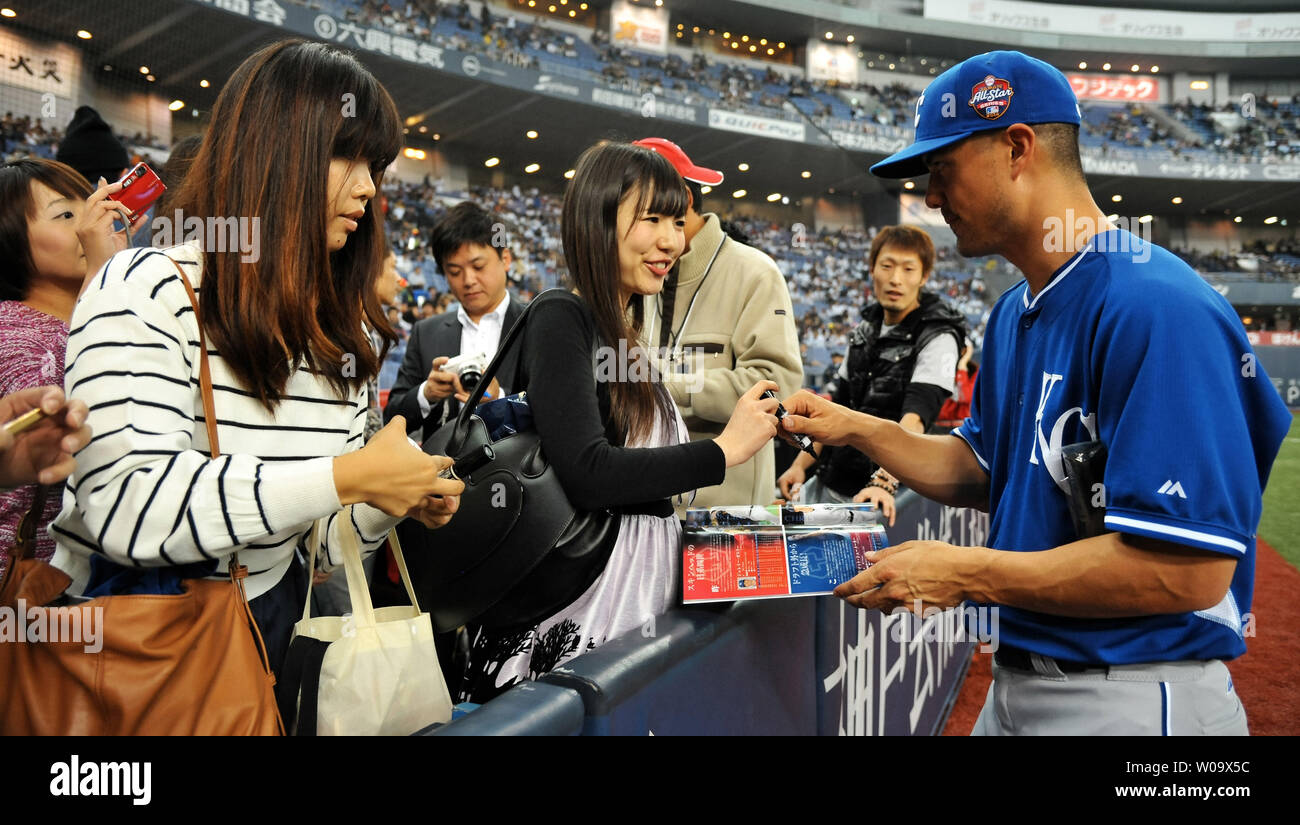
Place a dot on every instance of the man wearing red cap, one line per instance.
(723, 321)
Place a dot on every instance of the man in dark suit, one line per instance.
(470, 250)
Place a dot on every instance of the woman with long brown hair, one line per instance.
(608, 427)
(283, 251)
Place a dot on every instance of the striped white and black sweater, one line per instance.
(145, 491)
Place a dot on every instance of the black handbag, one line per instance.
(517, 551)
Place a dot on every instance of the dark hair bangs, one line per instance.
(661, 189)
(374, 130)
(61, 178)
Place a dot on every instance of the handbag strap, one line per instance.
(515, 333)
(396, 545)
(363, 610)
(237, 571)
(298, 691)
(205, 375)
(205, 385)
(24, 546)
(25, 537)
(314, 541)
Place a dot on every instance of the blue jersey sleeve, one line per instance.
(1190, 421)
(971, 430)
(987, 395)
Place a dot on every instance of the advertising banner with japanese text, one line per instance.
(39, 66)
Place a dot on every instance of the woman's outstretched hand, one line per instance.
(752, 424)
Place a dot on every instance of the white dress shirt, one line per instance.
(483, 337)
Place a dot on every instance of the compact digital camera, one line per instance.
(468, 368)
(140, 188)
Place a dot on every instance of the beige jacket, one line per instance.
(740, 329)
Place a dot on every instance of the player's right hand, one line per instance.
(823, 421)
(439, 384)
(791, 482)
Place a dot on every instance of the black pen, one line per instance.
(805, 443)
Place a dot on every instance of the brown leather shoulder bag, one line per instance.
(183, 664)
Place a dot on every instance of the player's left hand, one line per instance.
(913, 575)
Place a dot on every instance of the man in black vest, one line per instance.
(469, 246)
(901, 365)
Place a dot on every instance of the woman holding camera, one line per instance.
(55, 231)
(613, 434)
(286, 342)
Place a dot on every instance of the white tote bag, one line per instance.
(373, 672)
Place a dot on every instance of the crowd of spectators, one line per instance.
(508, 39)
(29, 137)
(530, 221)
(1258, 128)
(1279, 262)
(1134, 126)
(517, 37)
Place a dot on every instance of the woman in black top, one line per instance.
(610, 430)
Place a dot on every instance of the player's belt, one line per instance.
(1014, 657)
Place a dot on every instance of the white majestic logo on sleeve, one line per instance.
(1051, 446)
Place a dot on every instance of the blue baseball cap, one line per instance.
(988, 91)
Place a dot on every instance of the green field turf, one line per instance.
(1280, 526)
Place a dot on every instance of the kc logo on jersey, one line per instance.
(1051, 445)
(991, 97)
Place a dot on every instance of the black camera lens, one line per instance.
(469, 378)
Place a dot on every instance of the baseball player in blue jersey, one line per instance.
(1115, 629)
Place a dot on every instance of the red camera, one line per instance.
(140, 188)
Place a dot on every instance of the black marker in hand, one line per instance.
(805, 443)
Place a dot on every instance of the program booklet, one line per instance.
(731, 553)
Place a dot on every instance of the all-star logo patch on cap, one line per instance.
(989, 91)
